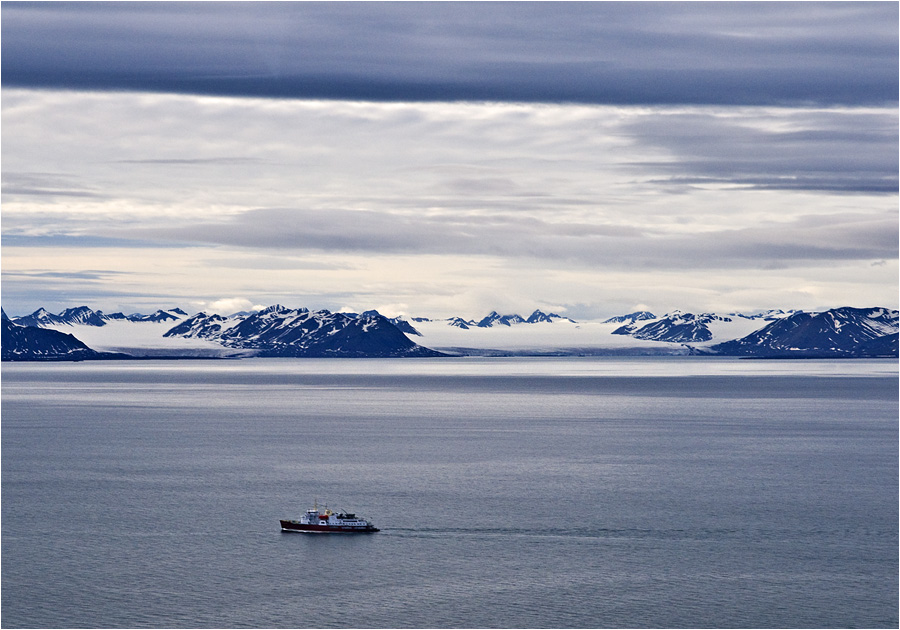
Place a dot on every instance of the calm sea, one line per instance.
(526, 493)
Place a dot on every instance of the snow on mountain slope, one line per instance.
(280, 331)
(539, 337)
(840, 332)
(141, 338)
(565, 336)
(284, 332)
(31, 343)
(724, 330)
(679, 327)
(274, 331)
(630, 318)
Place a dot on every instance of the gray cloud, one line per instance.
(47, 185)
(102, 275)
(426, 202)
(832, 151)
(217, 161)
(806, 238)
(700, 53)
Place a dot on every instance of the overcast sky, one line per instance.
(447, 159)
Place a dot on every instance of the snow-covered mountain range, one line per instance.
(676, 327)
(286, 332)
(840, 332)
(282, 332)
(39, 344)
(496, 319)
(84, 315)
(273, 332)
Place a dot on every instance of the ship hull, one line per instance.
(296, 526)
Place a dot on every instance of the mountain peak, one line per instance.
(281, 332)
(275, 308)
(631, 317)
(496, 318)
(839, 332)
(539, 316)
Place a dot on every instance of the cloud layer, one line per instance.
(337, 200)
(450, 158)
(614, 53)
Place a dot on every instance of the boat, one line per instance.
(324, 521)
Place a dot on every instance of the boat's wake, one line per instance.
(560, 532)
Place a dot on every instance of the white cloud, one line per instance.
(443, 208)
(227, 306)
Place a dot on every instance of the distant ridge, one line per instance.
(496, 319)
(278, 331)
(840, 332)
(675, 327)
(30, 343)
(88, 317)
(631, 317)
(282, 332)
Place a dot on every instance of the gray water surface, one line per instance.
(577, 492)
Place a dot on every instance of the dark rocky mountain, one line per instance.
(88, 317)
(495, 319)
(840, 332)
(201, 326)
(399, 322)
(82, 315)
(40, 317)
(276, 331)
(884, 346)
(538, 317)
(159, 316)
(675, 327)
(631, 318)
(459, 322)
(31, 343)
(282, 332)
